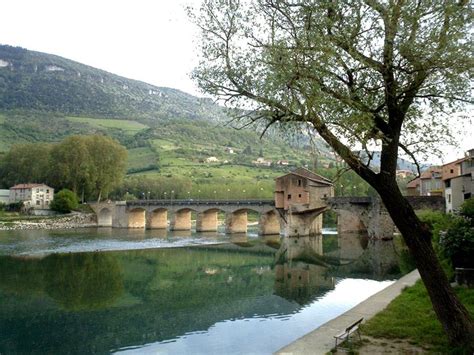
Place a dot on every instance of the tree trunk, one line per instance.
(452, 314)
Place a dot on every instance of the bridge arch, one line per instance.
(137, 218)
(104, 217)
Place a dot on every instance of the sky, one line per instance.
(148, 40)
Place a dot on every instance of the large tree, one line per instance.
(364, 75)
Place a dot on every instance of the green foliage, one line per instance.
(419, 325)
(25, 163)
(457, 243)
(64, 201)
(90, 165)
(467, 209)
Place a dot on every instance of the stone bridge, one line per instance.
(360, 214)
(355, 214)
(158, 214)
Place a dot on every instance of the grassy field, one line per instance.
(140, 158)
(128, 126)
(419, 325)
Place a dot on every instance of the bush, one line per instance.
(64, 201)
(467, 209)
(15, 207)
(457, 244)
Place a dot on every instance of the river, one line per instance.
(108, 290)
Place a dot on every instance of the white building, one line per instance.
(36, 196)
(4, 196)
(212, 160)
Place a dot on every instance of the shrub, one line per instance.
(64, 201)
(457, 244)
(467, 209)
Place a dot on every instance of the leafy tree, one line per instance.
(108, 163)
(71, 165)
(25, 163)
(64, 201)
(361, 74)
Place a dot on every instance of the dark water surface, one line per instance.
(102, 291)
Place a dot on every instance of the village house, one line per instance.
(212, 160)
(262, 162)
(458, 179)
(283, 162)
(301, 187)
(413, 187)
(430, 182)
(36, 196)
(229, 150)
(403, 174)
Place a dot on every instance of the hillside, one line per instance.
(168, 133)
(32, 80)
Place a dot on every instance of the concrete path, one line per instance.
(321, 340)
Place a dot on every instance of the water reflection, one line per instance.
(268, 291)
(304, 270)
(80, 281)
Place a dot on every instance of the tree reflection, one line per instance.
(76, 281)
(83, 281)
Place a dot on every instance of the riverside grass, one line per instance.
(411, 317)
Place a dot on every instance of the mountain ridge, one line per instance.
(38, 81)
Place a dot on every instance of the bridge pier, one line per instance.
(181, 220)
(269, 223)
(137, 218)
(207, 221)
(236, 222)
(349, 222)
(157, 219)
(303, 224)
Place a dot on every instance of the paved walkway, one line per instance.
(321, 340)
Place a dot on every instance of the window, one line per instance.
(449, 198)
(47, 202)
(299, 195)
(452, 171)
(447, 183)
(299, 182)
(47, 191)
(289, 196)
(37, 202)
(37, 190)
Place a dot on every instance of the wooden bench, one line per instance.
(346, 334)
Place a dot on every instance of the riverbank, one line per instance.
(321, 340)
(69, 221)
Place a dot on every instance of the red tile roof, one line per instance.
(414, 183)
(427, 174)
(26, 186)
(309, 175)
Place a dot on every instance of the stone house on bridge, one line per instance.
(302, 188)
